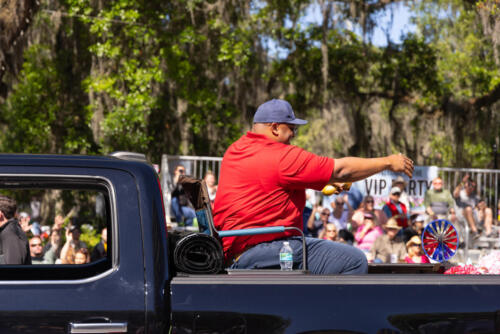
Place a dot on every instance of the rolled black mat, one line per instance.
(198, 253)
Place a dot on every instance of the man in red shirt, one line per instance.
(262, 183)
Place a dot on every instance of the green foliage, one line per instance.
(478, 152)
(186, 77)
(442, 150)
(90, 236)
(39, 120)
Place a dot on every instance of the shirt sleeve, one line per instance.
(300, 169)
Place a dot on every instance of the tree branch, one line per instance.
(487, 99)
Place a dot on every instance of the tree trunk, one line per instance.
(15, 18)
(181, 111)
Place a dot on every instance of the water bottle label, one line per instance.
(286, 257)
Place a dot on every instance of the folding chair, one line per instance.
(197, 192)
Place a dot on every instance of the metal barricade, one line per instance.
(196, 166)
(487, 180)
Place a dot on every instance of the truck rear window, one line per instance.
(54, 229)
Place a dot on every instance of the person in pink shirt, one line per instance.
(367, 232)
(368, 206)
(415, 251)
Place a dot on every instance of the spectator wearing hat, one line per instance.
(415, 228)
(368, 206)
(368, 232)
(389, 248)
(394, 208)
(415, 253)
(401, 183)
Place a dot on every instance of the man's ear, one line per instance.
(2, 216)
(275, 129)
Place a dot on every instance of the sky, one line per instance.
(401, 25)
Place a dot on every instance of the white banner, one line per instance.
(379, 186)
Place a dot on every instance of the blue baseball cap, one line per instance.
(276, 111)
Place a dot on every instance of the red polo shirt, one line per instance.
(262, 184)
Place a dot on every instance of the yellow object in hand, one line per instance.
(331, 189)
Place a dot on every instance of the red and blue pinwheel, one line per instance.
(440, 240)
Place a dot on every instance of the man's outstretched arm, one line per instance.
(351, 169)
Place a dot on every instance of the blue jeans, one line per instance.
(323, 257)
(183, 214)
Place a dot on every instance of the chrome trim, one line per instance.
(103, 327)
(277, 277)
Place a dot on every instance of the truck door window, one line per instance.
(60, 228)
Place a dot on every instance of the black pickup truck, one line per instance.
(136, 287)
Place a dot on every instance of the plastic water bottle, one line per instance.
(286, 257)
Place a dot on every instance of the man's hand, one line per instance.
(400, 163)
(58, 221)
(69, 235)
(25, 224)
(369, 225)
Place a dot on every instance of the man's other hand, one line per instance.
(400, 163)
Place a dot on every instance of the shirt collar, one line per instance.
(254, 135)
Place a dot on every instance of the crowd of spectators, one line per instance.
(25, 241)
(386, 235)
(393, 233)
